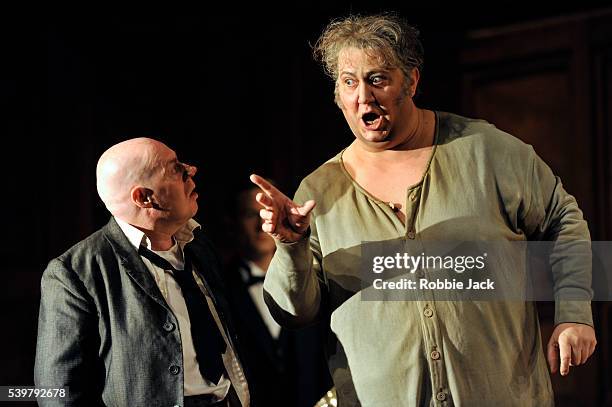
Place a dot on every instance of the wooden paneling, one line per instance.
(602, 116)
(549, 83)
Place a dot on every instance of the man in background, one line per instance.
(287, 367)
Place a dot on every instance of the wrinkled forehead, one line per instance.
(351, 58)
(160, 157)
(171, 166)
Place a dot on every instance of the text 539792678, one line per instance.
(31, 393)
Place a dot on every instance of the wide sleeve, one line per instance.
(292, 288)
(68, 340)
(553, 215)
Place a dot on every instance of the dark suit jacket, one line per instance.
(106, 332)
(290, 371)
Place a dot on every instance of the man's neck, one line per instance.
(161, 238)
(160, 241)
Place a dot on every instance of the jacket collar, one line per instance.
(130, 261)
(137, 237)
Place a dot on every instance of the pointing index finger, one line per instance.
(265, 186)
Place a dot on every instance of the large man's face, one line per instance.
(374, 99)
(173, 187)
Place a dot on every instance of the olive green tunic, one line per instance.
(480, 183)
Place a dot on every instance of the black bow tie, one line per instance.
(255, 280)
(207, 340)
(248, 277)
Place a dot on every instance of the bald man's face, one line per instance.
(173, 187)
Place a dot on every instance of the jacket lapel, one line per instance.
(206, 265)
(208, 268)
(131, 262)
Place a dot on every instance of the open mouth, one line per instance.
(372, 120)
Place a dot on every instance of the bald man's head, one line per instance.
(123, 166)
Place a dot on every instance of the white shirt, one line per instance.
(256, 293)
(194, 383)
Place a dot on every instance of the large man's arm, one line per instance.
(68, 340)
(291, 287)
(553, 214)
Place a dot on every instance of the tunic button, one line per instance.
(441, 396)
(174, 369)
(428, 312)
(435, 355)
(168, 327)
(411, 234)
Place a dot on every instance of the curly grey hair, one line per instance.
(387, 37)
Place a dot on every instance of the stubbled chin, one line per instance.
(375, 136)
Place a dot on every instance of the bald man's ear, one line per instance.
(142, 197)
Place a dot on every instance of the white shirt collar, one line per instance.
(137, 237)
(256, 271)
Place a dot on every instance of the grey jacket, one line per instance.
(106, 332)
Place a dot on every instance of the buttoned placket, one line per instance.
(426, 305)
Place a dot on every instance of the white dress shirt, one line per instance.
(256, 293)
(194, 383)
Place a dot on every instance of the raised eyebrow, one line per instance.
(367, 74)
(347, 73)
(173, 163)
(377, 71)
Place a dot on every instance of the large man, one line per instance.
(134, 315)
(421, 176)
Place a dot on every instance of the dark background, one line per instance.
(234, 90)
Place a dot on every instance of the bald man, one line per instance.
(134, 315)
